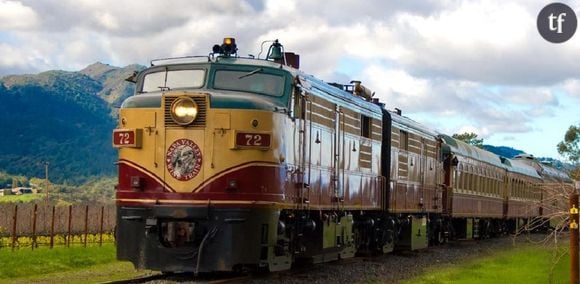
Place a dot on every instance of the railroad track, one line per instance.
(142, 279)
(390, 267)
(300, 269)
(182, 277)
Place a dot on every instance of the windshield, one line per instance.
(173, 79)
(250, 81)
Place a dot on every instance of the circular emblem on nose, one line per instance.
(183, 159)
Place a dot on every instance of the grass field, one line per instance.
(523, 264)
(65, 265)
(23, 198)
(528, 264)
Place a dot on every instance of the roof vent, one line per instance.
(525, 156)
(361, 91)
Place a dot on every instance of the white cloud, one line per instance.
(480, 41)
(473, 24)
(572, 87)
(320, 48)
(108, 21)
(539, 96)
(482, 133)
(397, 85)
(15, 15)
(280, 8)
(484, 111)
(20, 60)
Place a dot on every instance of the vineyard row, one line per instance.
(34, 224)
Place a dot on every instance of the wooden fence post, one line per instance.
(34, 226)
(68, 236)
(52, 227)
(86, 223)
(15, 220)
(101, 228)
(574, 258)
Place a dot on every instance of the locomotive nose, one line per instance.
(184, 121)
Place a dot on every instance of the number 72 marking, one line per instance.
(253, 140)
(124, 138)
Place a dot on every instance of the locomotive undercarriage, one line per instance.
(212, 239)
(326, 235)
(376, 232)
(209, 239)
(199, 239)
(316, 236)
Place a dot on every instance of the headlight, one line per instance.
(183, 111)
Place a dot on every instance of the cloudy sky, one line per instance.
(455, 66)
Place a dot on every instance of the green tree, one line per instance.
(469, 138)
(5, 180)
(570, 148)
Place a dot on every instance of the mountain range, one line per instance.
(63, 118)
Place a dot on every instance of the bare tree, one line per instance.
(554, 220)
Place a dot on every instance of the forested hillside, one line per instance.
(64, 118)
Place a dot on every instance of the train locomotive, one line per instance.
(229, 164)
